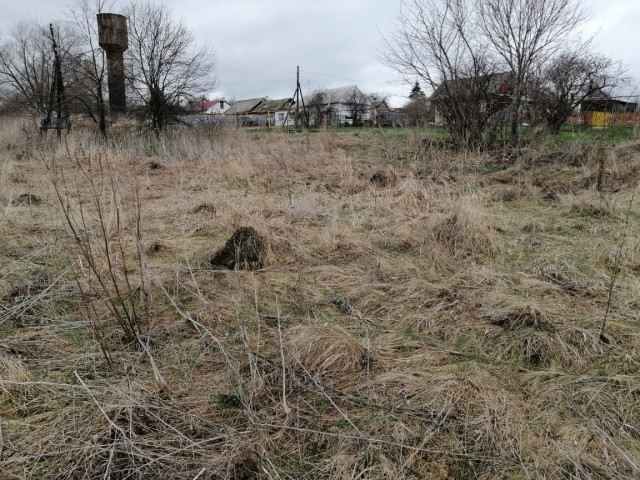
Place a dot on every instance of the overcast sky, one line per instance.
(258, 43)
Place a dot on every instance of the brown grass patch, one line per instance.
(466, 232)
(324, 352)
(445, 325)
(524, 318)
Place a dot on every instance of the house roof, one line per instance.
(603, 102)
(379, 103)
(244, 106)
(332, 95)
(599, 95)
(499, 83)
(204, 106)
(272, 105)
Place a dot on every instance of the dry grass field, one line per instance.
(414, 313)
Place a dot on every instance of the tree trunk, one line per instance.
(515, 112)
(102, 113)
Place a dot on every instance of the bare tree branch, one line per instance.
(166, 68)
(523, 32)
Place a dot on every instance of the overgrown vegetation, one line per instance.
(492, 64)
(166, 68)
(416, 312)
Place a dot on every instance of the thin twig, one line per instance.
(284, 365)
(1, 439)
(616, 267)
(104, 414)
(200, 473)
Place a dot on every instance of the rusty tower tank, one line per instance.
(113, 38)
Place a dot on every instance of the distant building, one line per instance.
(213, 107)
(260, 112)
(384, 116)
(495, 102)
(605, 103)
(272, 112)
(602, 110)
(331, 107)
(335, 107)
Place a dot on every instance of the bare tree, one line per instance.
(88, 66)
(318, 110)
(358, 105)
(418, 108)
(566, 81)
(526, 32)
(439, 42)
(418, 112)
(27, 61)
(26, 65)
(166, 68)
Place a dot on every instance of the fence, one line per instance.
(606, 119)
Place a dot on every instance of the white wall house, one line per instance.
(214, 107)
(338, 106)
(332, 107)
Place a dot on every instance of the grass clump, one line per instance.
(465, 232)
(324, 352)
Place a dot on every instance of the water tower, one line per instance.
(112, 37)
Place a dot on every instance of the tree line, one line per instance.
(165, 67)
(464, 51)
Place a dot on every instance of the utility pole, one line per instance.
(56, 95)
(298, 97)
(297, 94)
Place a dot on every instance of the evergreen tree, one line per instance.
(417, 109)
(417, 93)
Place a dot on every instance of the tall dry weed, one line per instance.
(105, 226)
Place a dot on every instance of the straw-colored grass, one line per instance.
(324, 352)
(421, 313)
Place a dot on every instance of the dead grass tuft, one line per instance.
(466, 232)
(27, 199)
(527, 317)
(384, 178)
(245, 250)
(324, 352)
(589, 205)
(14, 377)
(204, 208)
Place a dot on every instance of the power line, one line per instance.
(384, 87)
(345, 78)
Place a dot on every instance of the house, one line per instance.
(260, 111)
(337, 107)
(242, 111)
(491, 93)
(390, 117)
(602, 110)
(213, 107)
(378, 105)
(272, 112)
(384, 116)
